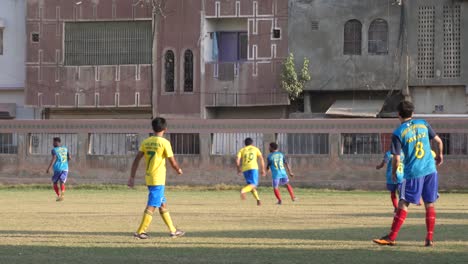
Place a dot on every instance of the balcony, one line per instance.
(232, 99)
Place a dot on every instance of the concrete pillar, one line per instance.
(82, 150)
(22, 148)
(307, 106)
(267, 139)
(205, 148)
(334, 142)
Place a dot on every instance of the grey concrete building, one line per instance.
(366, 55)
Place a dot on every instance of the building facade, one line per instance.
(367, 55)
(209, 59)
(12, 58)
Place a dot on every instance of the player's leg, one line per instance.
(63, 179)
(154, 200)
(254, 183)
(166, 217)
(285, 182)
(276, 191)
(248, 175)
(392, 188)
(55, 179)
(430, 195)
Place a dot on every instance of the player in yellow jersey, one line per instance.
(247, 164)
(156, 150)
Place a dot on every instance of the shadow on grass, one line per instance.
(220, 254)
(413, 214)
(407, 233)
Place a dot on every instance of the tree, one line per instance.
(291, 81)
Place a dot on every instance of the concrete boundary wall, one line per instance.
(331, 170)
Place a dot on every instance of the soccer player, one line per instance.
(280, 168)
(413, 138)
(391, 185)
(247, 164)
(59, 161)
(156, 150)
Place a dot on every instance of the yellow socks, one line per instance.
(145, 222)
(255, 194)
(247, 189)
(167, 220)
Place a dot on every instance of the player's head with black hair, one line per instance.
(248, 141)
(405, 109)
(159, 124)
(273, 146)
(57, 141)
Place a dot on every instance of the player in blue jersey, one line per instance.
(413, 139)
(391, 185)
(277, 163)
(59, 161)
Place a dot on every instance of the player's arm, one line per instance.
(175, 165)
(396, 151)
(52, 161)
(68, 156)
(238, 163)
(288, 167)
(440, 145)
(262, 165)
(381, 165)
(136, 162)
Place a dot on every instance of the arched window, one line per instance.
(188, 71)
(378, 37)
(352, 37)
(169, 71)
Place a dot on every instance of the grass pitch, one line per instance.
(96, 226)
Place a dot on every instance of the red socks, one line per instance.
(394, 199)
(290, 190)
(398, 221)
(56, 189)
(430, 222)
(277, 194)
(63, 187)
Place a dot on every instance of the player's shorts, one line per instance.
(280, 181)
(392, 187)
(426, 187)
(60, 176)
(251, 177)
(156, 195)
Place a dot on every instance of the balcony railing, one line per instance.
(232, 99)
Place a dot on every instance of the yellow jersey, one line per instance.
(249, 156)
(156, 150)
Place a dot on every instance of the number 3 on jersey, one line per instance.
(419, 150)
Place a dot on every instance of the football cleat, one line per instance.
(177, 233)
(279, 202)
(259, 203)
(294, 199)
(141, 236)
(384, 241)
(429, 243)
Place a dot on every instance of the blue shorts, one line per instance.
(156, 196)
(392, 187)
(279, 181)
(251, 177)
(60, 176)
(411, 190)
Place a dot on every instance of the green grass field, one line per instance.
(95, 226)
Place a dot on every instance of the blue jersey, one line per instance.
(388, 158)
(61, 163)
(413, 139)
(276, 162)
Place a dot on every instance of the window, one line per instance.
(188, 71)
(303, 144)
(232, 46)
(454, 143)
(41, 143)
(113, 144)
(1, 41)
(108, 43)
(352, 37)
(378, 37)
(353, 144)
(169, 71)
(35, 37)
(276, 33)
(184, 143)
(231, 143)
(8, 143)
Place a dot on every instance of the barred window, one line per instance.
(108, 43)
(8, 143)
(188, 71)
(352, 37)
(303, 144)
(231, 143)
(354, 144)
(42, 143)
(454, 143)
(184, 143)
(113, 144)
(169, 68)
(378, 37)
